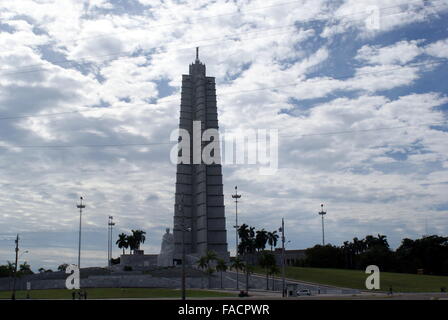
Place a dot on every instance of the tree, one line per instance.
(261, 238)
(62, 267)
(206, 263)
(43, 270)
(327, 256)
(244, 232)
(139, 236)
(266, 261)
(202, 262)
(236, 264)
(210, 258)
(221, 267)
(247, 246)
(428, 253)
(380, 241)
(347, 250)
(7, 270)
(11, 266)
(247, 243)
(375, 250)
(122, 241)
(132, 243)
(272, 239)
(25, 268)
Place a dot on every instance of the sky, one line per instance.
(90, 93)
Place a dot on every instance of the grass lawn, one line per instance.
(401, 282)
(110, 293)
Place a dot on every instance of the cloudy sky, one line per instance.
(89, 95)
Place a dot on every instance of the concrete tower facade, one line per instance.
(199, 201)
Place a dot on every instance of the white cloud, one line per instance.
(400, 53)
(393, 14)
(438, 49)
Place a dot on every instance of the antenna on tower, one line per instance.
(197, 53)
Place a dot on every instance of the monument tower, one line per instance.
(199, 201)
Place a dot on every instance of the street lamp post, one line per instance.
(80, 207)
(236, 196)
(110, 225)
(282, 230)
(13, 297)
(322, 213)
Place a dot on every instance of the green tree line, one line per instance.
(427, 255)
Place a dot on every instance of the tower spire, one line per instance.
(197, 54)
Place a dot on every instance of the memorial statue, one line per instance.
(165, 258)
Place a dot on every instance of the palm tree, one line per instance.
(358, 245)
(139, 236)
(62, 267)
(347, 248)
(221, 266)
(272, 239)
(122, 241)
(132, 243)
(25, 268)
(236, 264)
(247, 243)
(369, 241)
(206, 263)
(382, 240)
(249, 270)
(266, 261)
(210, 257)
(202, 263)
(261, 239)
(11, 266)
(245, 233)
(247, 246)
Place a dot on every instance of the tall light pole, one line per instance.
(110, 225)
(80, 207)
(13, 297)
(322, 213)
(282, 230)
(236, 196)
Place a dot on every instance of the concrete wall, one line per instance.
(138, 260)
